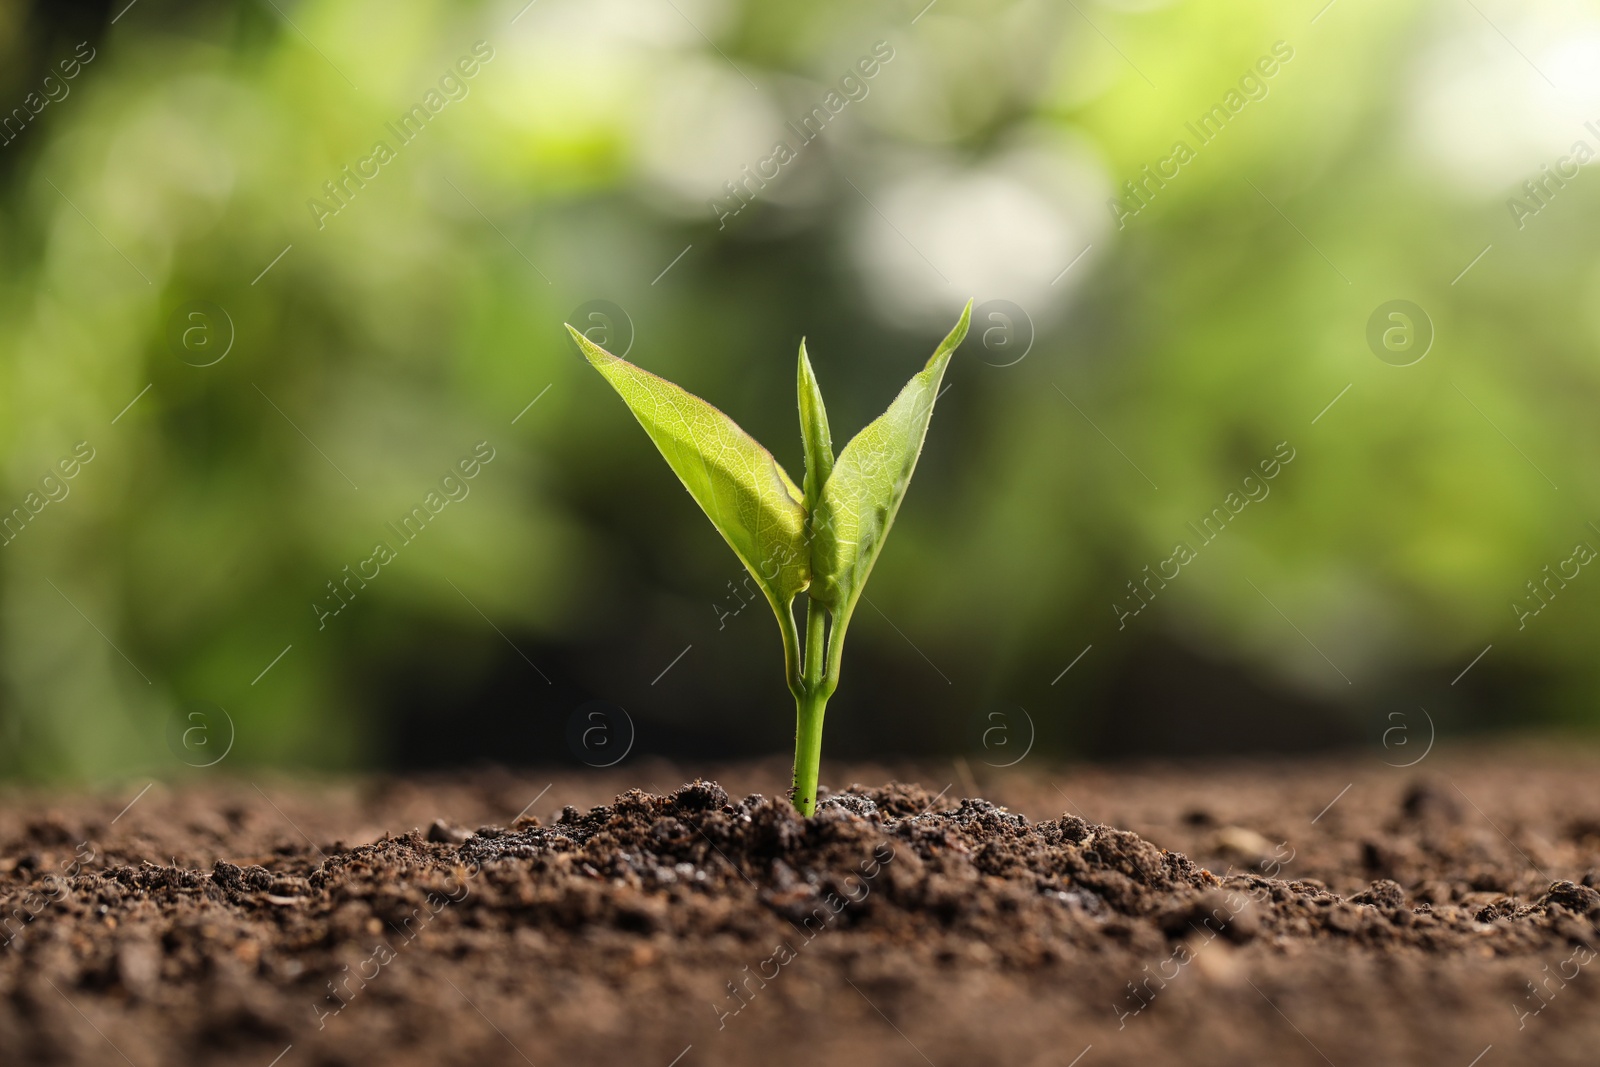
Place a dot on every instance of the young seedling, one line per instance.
(821, 538)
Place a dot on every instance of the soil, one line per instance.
(1336, 911)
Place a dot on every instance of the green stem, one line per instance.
(811, 701)
(791, 647)
(807, 751)
(836, 648)
(816, 617)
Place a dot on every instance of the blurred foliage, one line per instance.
(376, 347)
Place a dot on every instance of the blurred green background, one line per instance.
(1145, 363)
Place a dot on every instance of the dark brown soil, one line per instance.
(1432, 915)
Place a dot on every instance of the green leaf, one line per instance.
(857, 507)
(814, 431)
(751, 501)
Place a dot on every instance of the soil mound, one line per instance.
(691, 924)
